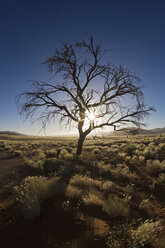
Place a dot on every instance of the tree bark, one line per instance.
(80, 144)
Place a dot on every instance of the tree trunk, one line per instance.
(80, 144)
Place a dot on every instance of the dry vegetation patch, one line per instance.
(116, 181)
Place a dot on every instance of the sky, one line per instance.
(30, 30)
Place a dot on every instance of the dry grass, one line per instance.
(118, 180)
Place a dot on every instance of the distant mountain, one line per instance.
(113, 133)
(158, 130)
(11, 133)
(139, 130)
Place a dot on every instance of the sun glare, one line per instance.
(90, 115)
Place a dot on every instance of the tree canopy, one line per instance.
(85, 90)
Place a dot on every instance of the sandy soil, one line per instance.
(49, 230)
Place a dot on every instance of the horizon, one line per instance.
(74, 134)
(31, 31)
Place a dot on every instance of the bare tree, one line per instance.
(85, 90)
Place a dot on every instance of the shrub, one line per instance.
(18, 153)
(115, 242)
(37, 165)
(122, 155)
(107, 186)
(8, 147)
(144, 204)
(148, 153)
(24, 147)
(120, 240)
(146, 233)
(69, 156)
(122, 171)
(161, 179)
(163, 164)
(87, 157)
(129, 189)
(128, 159)
(53, 165)
(162, 147)
(82, 181)
(141, 159)
(153, 167)
(134, 159)
(137, 152)
(51, 153)
(73, 193)
(128, 236)
(63, 153)
(114, 150)
(32, 191)
(129, 149)
(92, 200)
(116, 207)
(96, 151)
(104, 169)
(28, 196)
(152, 145)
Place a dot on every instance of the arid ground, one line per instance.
(113, 196)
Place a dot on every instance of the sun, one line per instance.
(90, 115)
(91, 119)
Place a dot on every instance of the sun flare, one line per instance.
(90, 115)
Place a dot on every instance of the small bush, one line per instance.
(92, 200)
(148, 153)
(8, 147)
(104, 170)
(146, 233)
(69, 156)
(161, 179)
(73, 193)
(115, 241)
(51, 153)
(107, 186)
(141, 159)
(129, 149)
(18, 153)
(96, 151)
(63, 153)
(162, 147)
(144, 204)
(116, 207)
(32, 191)
(129, 189)
(153, 167)
(82, 181)
(129, 236)
(122, 171)
(37, 165)
(28, 196)
(128, 159)
(87, 157)
(122, 155)
(53, 165)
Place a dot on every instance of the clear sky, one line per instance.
(30, 30)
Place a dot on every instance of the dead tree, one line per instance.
(85, 90)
